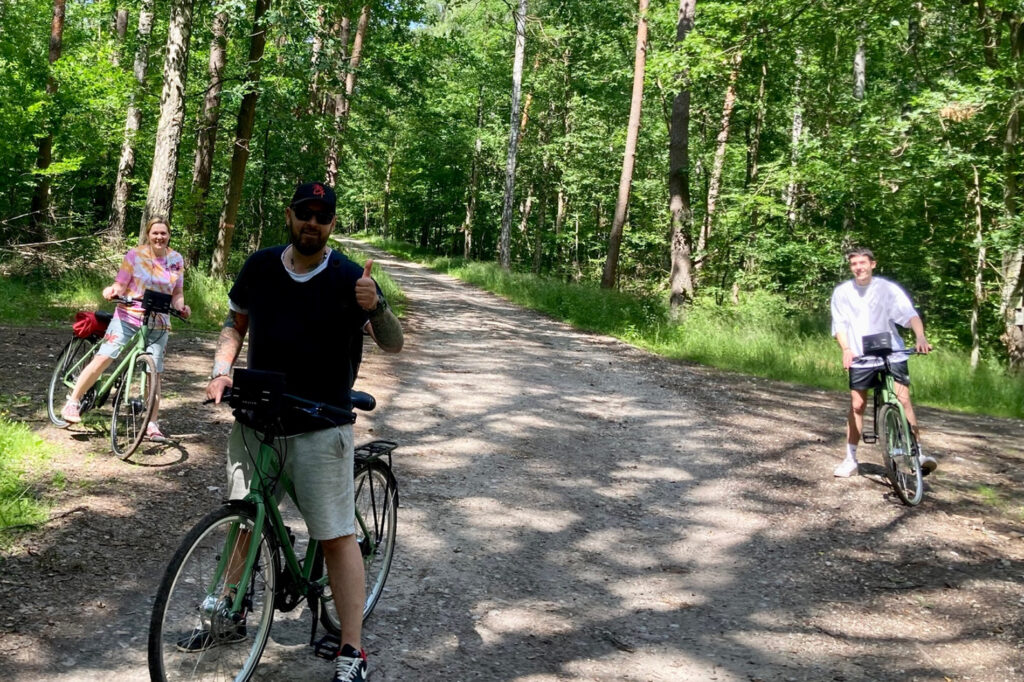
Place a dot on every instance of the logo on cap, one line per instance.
(318, 190)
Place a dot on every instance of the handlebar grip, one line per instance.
(362, 400)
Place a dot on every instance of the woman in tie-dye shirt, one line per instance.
(153, 265)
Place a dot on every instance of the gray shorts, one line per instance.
(120, 333)
(320, 465)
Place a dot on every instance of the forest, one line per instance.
(704, 154)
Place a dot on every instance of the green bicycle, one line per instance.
(215, 606)
(133, 381)
(900, 452)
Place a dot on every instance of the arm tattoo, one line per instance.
(387, 331)
(229, 344)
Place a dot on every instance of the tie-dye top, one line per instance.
(140, 270)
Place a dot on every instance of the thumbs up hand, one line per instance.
(366, 289)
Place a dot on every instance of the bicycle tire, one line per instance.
(902, 466)
(133, 406)
(182, 608)
(376, 498)
(73, 351)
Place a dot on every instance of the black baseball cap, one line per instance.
(314, 191)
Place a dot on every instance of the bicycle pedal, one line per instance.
(327, 647)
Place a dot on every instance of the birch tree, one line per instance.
(162, 180)
(504, 250)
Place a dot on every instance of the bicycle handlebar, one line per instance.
(128, 300)
(905, 351)
(360, 400)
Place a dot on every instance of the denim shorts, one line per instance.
(319, 464)
(120, 333)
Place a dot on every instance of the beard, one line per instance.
(307, 243)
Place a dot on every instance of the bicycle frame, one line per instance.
(886, 395)
(267, 510)
(135, 347)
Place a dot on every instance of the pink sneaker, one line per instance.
(72, 411)
(154, 433)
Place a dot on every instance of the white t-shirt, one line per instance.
(878, 307)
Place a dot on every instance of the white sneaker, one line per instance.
(848, 468)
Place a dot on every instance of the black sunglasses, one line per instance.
(305, 213)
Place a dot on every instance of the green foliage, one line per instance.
(21, 452)
(430, 111)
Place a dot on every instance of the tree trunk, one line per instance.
(320, 28)
(524, 215)
(538, 237)
(504, 250)
(160, 198)
(261, 212)
(207, 133)
(122, 189)
(796, 130)
(1011, 302)
(243, 134)
(979, 272)
(41, 212)
(681, 284)
(474, 180)
(386, 227)
(859, 69)
(120, 31)
(611, 264)
(715, 182)
(340, 31)
(343, 102)
(752, 176)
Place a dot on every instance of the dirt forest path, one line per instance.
(571, 509)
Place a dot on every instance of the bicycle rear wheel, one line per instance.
(73, 353)
(133, 406)
(376, 501)
(192, 635)
(902, 466)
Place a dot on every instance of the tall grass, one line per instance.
(762, 335)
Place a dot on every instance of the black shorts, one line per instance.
(863, 378)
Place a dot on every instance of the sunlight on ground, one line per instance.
(494, 621)
(486, 512)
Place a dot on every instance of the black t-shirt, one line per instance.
(311, 331)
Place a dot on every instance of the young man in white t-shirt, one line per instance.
(871, 305)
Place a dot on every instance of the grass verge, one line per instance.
(21, 452)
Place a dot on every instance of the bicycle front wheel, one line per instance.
(192, 634)
(69, 365)
(901, 463)
(133, 406)
(376, 501)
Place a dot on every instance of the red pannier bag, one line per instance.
(89, 325)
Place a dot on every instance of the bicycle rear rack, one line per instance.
(375, 450)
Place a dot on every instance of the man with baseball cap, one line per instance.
(300, 303)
